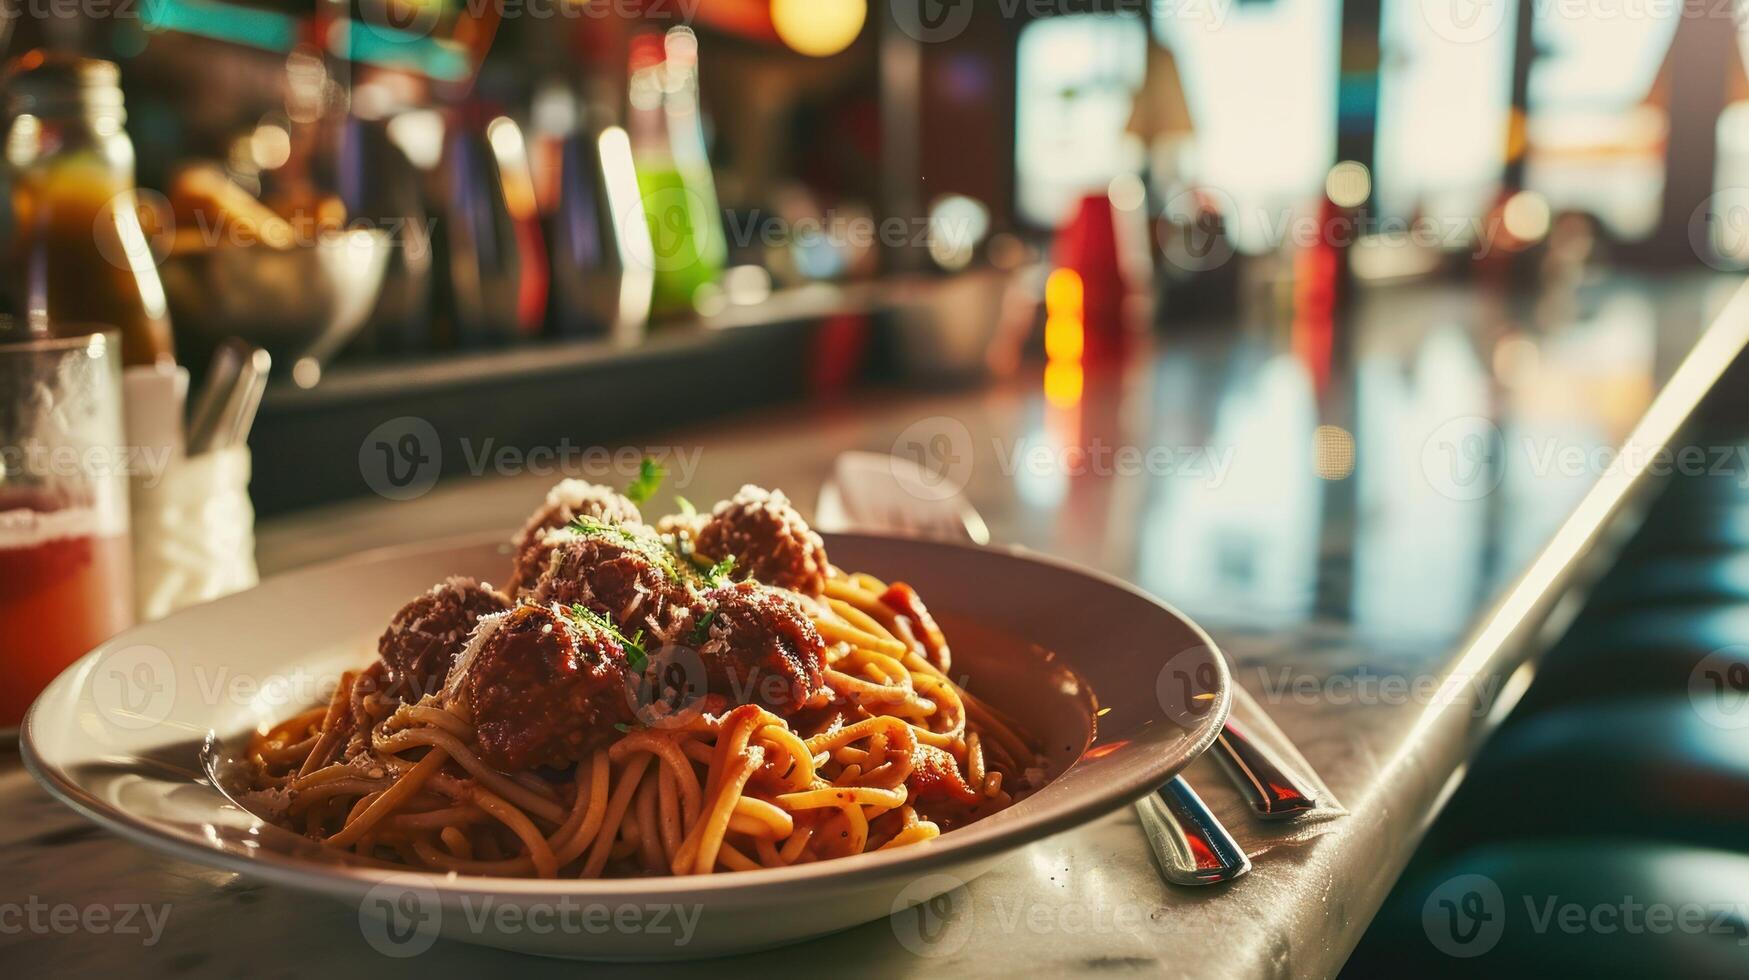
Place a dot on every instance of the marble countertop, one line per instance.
(1378, 526)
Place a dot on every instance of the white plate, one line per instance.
(134, 736)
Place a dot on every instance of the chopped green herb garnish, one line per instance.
(702, 631)
(685, 506)
(649, 480)
(719, 574)
(636, 658)
(622, 727)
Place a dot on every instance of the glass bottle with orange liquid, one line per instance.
(79, 257)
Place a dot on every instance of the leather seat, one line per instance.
(1640, 653)
(1675, 768)
(1583, 907)
(1676, 579)
(1682, 524)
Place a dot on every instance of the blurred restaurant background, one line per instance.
(581, 222)
(420, 206)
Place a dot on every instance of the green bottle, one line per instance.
(674, 173)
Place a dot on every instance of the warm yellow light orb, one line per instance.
(818, 27)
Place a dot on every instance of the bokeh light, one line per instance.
(818, 28)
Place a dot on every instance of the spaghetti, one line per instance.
(865, 744)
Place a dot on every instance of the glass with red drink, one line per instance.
(65, 577)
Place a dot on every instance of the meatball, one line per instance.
(544, 688)
(423, 639)
(768, 541)
(623, 574)
(566, 502)
(759, 646)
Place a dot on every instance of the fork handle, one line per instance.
(1192, 846)
(1275, 792)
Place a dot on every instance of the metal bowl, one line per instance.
(302, 304)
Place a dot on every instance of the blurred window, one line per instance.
(1077, 77)
(1444, 105)
(1729, 221)
(1596, 133)
(1260, 80)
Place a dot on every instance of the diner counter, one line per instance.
(1380, 526)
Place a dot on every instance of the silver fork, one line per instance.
(1192, 846)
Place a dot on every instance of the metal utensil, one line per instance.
(1189, 841)
(1275, 791)
(215, 391)
(229, 398)
(239, 415)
